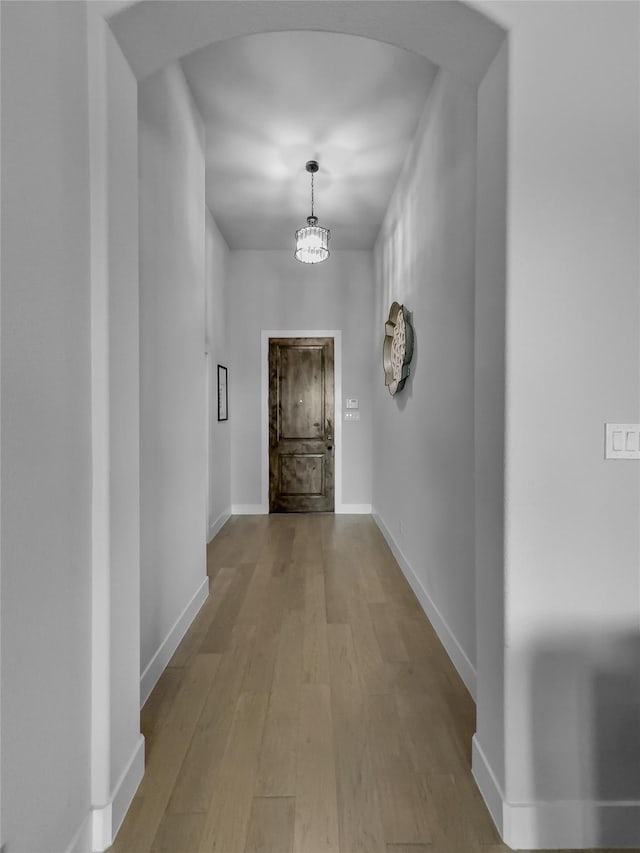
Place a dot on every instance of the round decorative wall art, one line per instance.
(397, 350)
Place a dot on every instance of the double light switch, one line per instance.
(622, 441)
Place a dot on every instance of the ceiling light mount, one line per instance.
(312, 241)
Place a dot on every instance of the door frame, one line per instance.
(336, 334)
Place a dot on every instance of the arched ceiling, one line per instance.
(449, 33)
(279, 82)
(270, 102)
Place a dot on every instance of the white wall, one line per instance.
(46, 427)
(117, 760)
(271, 290)
(423, 438)
(124, 401)
(489, 350)
(173, 455)
(572, 549)
(219, 433)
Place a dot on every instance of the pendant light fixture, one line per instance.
(312, 240)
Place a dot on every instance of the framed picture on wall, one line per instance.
(223, 398)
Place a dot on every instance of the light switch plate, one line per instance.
(622, 441)
(352, 402)
(352, 416)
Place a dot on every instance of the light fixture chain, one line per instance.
(312, 240)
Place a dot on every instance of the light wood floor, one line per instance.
(309, 709)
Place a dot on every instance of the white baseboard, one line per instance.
(353, 509)
(455, 651)
(216, 526)
(249, 509)
(487, 783)
(127, 787)
(565, 824)
(572, 824)
(107, 819)
(158, 662)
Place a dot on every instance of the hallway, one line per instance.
(310, 708)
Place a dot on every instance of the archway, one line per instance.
(455, 37)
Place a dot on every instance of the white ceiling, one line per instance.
(272, 101)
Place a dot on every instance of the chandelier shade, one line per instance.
(312, 241)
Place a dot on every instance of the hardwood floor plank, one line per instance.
(368, 579)
(158, 706)
(138, 833)
(419, 636)
(444, 808)
(345, 678)
(385, 626)
(271, 825)
(222, 550)
(403, 808)
(394, 584)
(253, 606)
(316, 817)
(337, 584)
(259, 671)
(461, 711)
(277, 766)
(315, 656)
(178, 833)
(287, 675)
(416, 676)
(359, 821)
(194, 784)
(284, 543)
(428, 667)
(401, 797)
(191, 643)
(425, 727)
(219, 634)
(182, 718)
(328, 533)
(288, 584)
(307, 541)
(227, 820)
(257, 536)
(371, 666)
(476, 812)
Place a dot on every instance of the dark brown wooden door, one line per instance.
(301, 437)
